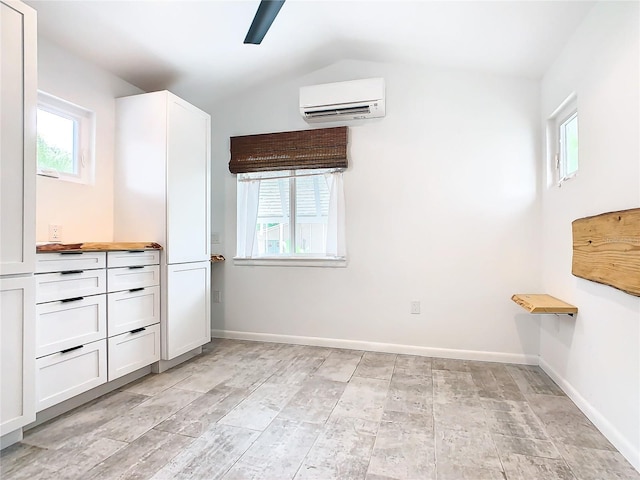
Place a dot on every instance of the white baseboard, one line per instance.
(381, 347)
(618, 440)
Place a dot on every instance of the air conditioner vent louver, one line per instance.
(361, 110)
(356, 99)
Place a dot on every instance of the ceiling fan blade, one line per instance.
(267, 11)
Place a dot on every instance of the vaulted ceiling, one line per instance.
(197, 45)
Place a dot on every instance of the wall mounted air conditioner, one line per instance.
(350, 100)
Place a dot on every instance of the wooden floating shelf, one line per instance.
(543, 303)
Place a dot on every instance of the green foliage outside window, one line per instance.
(53, 157)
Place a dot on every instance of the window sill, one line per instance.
(331, 262)
(63, 177)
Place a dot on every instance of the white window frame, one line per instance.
(292, 259)
(83, 138)
(567, 111)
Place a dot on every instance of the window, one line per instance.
(291, 215)
(568, 147)
(291, 197)
(563, 140)
(310, 209)
(64, 138)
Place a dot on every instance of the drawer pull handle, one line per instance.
(142, 329)
(71, 272)
(67, 350)
(135, 251)
(74, 299)
(136, 266)
(71, 253)
(136, 289)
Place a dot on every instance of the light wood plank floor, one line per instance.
(252, 410)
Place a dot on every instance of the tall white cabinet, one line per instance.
(162, 194)
(18, 78)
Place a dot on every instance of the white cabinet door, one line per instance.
(189, 324)
(188, 197)
(133, 350)
(70, 284)
(69, 373)
(130, 310)
(66, 261)
(17, 352)
(69, 323)
(18, 139)
(133, 258)
(128, 278)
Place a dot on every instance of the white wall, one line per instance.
(596, 356)
(442, 207)
(84, 211)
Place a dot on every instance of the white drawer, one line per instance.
(133, 309)
(70, 284)
(63, 375)
(66, 324)
(62, 261)
(130, 351)
(127, 278)
(129, 258)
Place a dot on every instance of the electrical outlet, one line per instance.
(215, 238)
(217, 296)
(55, 232)
(415, 308)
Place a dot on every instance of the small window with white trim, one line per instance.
(64, 139)
(293, 214)
(563, 140)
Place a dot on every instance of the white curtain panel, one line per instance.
(248, 196)
(335, 240)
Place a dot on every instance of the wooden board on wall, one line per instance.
(606, 249)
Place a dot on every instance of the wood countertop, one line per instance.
(107, 247)
(96, 246)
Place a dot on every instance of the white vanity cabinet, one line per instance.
(133, 280)
(97, 319)
(71, 325)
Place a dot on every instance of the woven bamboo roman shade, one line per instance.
(304, 149)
